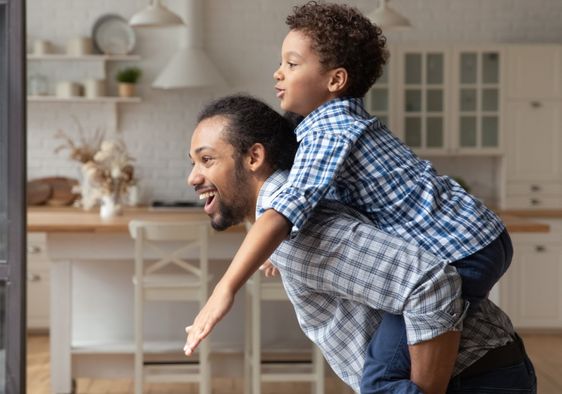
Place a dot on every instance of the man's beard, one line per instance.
(235, 212)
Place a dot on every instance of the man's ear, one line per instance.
(338, 80)
(255, 158)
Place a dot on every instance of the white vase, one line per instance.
(110, 207)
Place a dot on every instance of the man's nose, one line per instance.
(194, 178)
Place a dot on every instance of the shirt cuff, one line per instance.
(423, 327)
(292, 207)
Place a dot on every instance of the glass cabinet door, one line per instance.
(423, 103)
(478, 100)
(379, 98)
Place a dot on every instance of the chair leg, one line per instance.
(205, 368)
(247, 343)
(318, 363)
(256, 336)
(139, 340)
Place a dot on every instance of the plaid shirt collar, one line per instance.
(326, 112)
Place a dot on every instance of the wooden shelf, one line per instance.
(64, 57)
(110, 100)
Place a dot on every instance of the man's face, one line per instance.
(302, 83)
(218, 175)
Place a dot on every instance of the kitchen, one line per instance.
(479, 76)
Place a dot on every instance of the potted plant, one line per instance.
(127, 78)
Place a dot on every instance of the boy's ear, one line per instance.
(338, 80)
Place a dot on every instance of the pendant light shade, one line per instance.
(155, 15)
(388, 19)
(190, 67)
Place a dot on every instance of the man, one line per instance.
(341, 273)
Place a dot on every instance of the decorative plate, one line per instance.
(112, 35)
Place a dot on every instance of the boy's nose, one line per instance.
(277, 74)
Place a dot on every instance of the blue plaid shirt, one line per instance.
(349, 156)
(340, 272)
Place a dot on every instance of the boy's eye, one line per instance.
(291, 65)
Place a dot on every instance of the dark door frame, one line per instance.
(14, 272)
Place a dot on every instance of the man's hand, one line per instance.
(214, 310)
(268, 269)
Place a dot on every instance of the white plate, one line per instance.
(112, 35)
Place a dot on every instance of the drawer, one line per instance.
(533, 202)
(543, 188)
(38, 298)
(37, 247)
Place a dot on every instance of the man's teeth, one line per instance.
(203, 196)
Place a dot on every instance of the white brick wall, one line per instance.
(243, 37)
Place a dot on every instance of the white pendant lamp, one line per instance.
(155, 15)
(388, 19)
(190, 67)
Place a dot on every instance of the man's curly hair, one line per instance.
(343, 37)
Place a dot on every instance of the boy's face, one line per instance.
(218, 175)
(302, 83)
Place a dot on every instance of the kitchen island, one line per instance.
(91, 292)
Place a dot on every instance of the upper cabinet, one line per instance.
(477, 103)
(423, 102)
(534, 72)
(443, 100)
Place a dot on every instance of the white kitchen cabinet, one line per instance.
(531, 290)
(38, 278)
(477, 99)
(534, 72)
(423, 98)
(443, 100)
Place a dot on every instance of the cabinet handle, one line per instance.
(33, 249)
(535, 188)
(535, 201)
(33, 277)
(536, 104)
(540, 248)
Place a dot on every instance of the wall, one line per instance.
(243, 37)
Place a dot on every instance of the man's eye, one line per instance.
(206, 159)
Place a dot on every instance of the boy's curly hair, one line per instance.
(343, 37)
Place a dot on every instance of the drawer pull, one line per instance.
(33, 277)
(33, 249)
(536, 104)
(535, 201)
(535, 188)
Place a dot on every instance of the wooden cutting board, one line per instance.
(38, 192)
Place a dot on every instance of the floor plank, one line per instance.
(545, 350)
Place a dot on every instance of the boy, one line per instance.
(330, 58)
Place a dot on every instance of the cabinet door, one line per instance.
(476, 100)
(423, 101)
(380, 99)
(534, 143)
(534, 72)
(531, 289)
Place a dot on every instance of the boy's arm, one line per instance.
(260, 242)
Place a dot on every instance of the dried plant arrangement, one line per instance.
(85, 148)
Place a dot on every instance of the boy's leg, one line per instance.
(433, 362)
(387, 361)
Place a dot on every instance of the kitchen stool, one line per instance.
(159, 248)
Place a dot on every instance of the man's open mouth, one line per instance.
(210, 197)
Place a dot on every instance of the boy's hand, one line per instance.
(269, 269)
(214, 310)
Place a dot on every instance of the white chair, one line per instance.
(255, 371)
(160, 248)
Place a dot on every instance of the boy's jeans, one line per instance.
(387, 369)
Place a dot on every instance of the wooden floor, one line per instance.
(545, 350)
